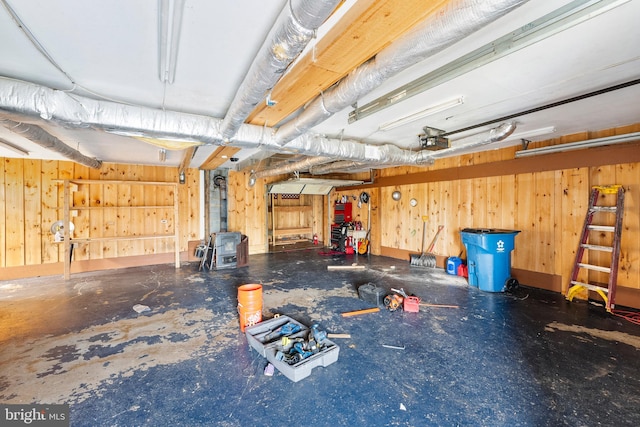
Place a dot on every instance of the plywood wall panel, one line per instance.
(544, 221)
(138, 218)
(14, 217)
(573, 193)
(96, 218)
(508, 196)
(478, 203)
(3, 219)
(494, 202)
(32, 212)
(628, 175)
(448, 216)
(34, 190)
(81, 218)
(151, 217)
(525, 222)
(192, 195)
(50, 211)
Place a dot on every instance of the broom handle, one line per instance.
(435, 239)
(424, 233)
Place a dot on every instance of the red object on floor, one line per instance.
(463, 270)
(411, 304)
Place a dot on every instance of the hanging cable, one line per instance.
(630, 316)
(21, 25)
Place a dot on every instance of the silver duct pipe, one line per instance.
(457, 20)
(344, 149)
(292, 32)
(286, 167)
(496, 134)
(340, 165)
(30, 101)
(39, 136)
(428, 157)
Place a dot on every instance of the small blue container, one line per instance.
(452, 265)
(489, 257)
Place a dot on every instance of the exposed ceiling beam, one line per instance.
(364, 30)
(186, 158)
(216, 158)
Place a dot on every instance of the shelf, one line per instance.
(86, 208)
(292, 231)
(103, 239)
(113, 181)
(301, 209)
(71, 185)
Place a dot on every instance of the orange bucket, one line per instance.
(249, 305)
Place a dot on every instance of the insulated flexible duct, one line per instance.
(286, 167)
(31, 101)
(39, 136)
(295, 28)
(457, 20)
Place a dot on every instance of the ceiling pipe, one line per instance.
(496, 134)
(288, 167)
(39, 136)
(292, 32)
(339, 166)
(32, 102)
(455, 21)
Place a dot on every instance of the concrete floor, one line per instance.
(522, 359)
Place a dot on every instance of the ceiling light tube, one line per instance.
(421, 114)
(567, 16)
(169, 24)
(609, 140)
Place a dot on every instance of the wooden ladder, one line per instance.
(606, 291)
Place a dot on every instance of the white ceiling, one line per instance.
(109, 51)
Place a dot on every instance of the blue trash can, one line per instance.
(489, 257)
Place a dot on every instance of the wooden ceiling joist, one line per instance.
(368, 27)
(218, 157)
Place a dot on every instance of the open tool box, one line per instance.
(266, 339)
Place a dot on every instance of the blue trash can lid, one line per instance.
(489, 231)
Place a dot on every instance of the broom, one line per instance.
(427, 259)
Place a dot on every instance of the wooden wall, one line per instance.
(32, 199)
(544, 197)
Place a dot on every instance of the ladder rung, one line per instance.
(604, 208)
(590, 286)
(595, 267)
(597, 247)
(610, 228)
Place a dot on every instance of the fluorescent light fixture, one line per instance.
(561, 19)
(422, 113)
(609, 140)
(13, 147)
(169, 23)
